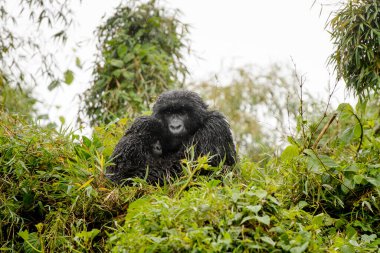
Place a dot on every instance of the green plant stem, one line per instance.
(324, 130)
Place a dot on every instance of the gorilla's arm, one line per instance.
(215, 138)
(164, 168)
(128, 158)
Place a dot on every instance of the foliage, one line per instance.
(313, 198)
(208, 218)
(322, 194)
(24, 26)
(52, 190)
(322, 199)
(262, 105)
(355, 31)
(15, 100)
(340, 176)
(141, 48)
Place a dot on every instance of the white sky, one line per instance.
(223, 33)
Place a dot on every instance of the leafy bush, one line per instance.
(16, 100)
(313, 198)
(209, 217)
(141, 49)
(340, 176)
(355, 31)
(51, 187)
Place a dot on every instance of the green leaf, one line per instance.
(346, 111)
(268, 240)
(357, 131)
(347, 248)
(117, 63)
(348, 135)
(328, 162)
(78, 63)
(263, 219)
(313, 162)
(254, 209)
(24, 234)
(128, 57)
(300, 249)
(69, 77)
(318, 220)
(373, 181)
(54, 84)
(345, 107)
(213, 183)
(62, 119)
(368, 238)
(260, 193)
(289, 153)
(358, 179)
(128, 75)
(88, 236)
(122, 50)
(86, 141)
(347, 185)
(117, 73)
(302, 204)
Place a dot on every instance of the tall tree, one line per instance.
(355, 31)
(141, 54)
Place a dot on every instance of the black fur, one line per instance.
(135, 154)
(208, 130)
(215, 138)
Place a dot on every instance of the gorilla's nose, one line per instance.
(157, 149)
(176, 127)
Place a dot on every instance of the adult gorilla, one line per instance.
(187, 121)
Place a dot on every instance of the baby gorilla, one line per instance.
(138, 150)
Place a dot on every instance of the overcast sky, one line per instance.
(223, 33)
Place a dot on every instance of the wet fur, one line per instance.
(208, 131)
(133, 155)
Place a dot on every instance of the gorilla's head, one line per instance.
(182, 113)
(150, 131)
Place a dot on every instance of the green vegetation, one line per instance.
(16, 100)
(321, 193)
(33, 31)
(141, 48)
(323, 197)
(355, 31)
(261, 103)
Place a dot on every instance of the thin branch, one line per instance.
(301, 83)
(324, 130)
(331, 93)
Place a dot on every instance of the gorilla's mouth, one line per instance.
(178, 134)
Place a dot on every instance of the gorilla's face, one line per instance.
(179, 122)
(156, 149)
(182, 113)
(149, 131)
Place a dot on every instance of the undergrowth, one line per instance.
(320, 195)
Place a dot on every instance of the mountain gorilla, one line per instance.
(139, 153)
(153, 147)
(187, 121)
